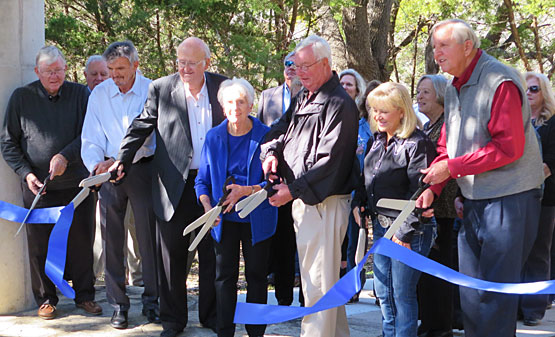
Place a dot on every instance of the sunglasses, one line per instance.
(289, 63)
(534, 89)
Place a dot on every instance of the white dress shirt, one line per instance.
(109, 114)
(200, 120)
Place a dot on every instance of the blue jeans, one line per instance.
(395, 284)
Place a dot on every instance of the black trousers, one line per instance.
(137, 189)
(234, 236)
(282, 256)
(172, 251)
(79, 260)
(435, 296)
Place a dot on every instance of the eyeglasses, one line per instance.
(289, 63)
(534, 89)
(305, 67)
(183, 63)
(57, 71)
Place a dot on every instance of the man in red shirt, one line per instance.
(489, 146)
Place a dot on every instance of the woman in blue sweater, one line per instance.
(233, 149)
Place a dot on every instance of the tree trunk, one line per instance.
(514, 31)
(329, 30)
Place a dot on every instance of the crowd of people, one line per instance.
(331, 146)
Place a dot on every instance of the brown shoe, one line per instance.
(90, 306)
(47, 311)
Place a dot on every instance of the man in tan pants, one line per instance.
(316, 146)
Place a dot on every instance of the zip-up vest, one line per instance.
(466, 124)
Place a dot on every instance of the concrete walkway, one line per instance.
(364, 320)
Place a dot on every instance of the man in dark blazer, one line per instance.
(275, 101)
(180, 109)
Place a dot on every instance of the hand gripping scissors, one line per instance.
(34, 203)
(247, 205)
(405, 206)
(208, 218)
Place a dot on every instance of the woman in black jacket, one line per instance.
(392, 170)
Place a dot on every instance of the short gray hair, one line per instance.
(361, 84)
(288, 56)
(239, 84)
(440, 84)
(121, 49)
(49, 54)
(320, 47)
(91, 59)
(461, 31)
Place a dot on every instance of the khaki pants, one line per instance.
(320, 230)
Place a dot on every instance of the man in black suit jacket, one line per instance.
(180, 109)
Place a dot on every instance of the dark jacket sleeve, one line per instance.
(72, 151)
(420, 157)
(11, 135)
(141, 127)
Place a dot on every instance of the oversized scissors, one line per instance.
(209, 218)
(405, 206)
(247, 205)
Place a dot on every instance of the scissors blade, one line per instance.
(197, 223)
(206, 228)
(33, 204)
(396, 204)
(409, 207)
(361, 245)
(241, 204)
(253, 204)
(97, 179)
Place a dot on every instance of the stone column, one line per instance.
(21, 36)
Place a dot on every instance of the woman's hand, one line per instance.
(400, 243)
(360, 219)
(425, 200)
(205, 202)
(236, 193)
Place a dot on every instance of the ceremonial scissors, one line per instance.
(209, 218)
(34, 203)
(90, 183)
(405, 206)
(247, 205)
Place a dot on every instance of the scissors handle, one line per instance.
(229, 180)
(421, 188)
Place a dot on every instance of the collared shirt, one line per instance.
(286, 97)
(109, 114)
(200, 120)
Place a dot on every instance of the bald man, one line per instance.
(180, 109)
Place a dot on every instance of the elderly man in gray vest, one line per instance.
(488, 145)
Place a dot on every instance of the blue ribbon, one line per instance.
(57, 243)
(346, 287)
(57, 251)
(40, 215)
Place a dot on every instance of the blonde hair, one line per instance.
(548, 98)
(389, 96)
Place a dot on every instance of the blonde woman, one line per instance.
(392, 170)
